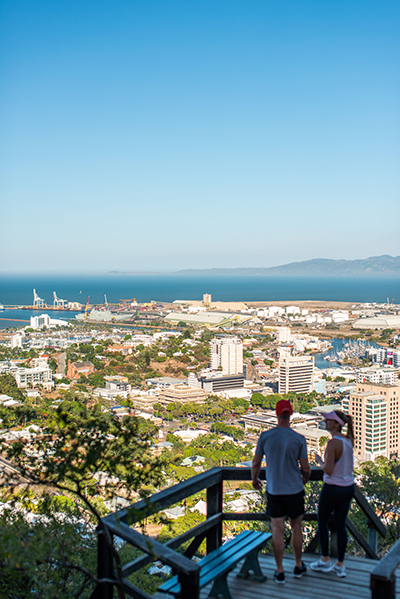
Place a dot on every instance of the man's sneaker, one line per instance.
(300, 571)
(340, 571)
(321, 566)
(279, 577)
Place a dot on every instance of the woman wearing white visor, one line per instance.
(338, 489)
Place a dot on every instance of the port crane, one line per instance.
(58, 302)
(87, 307)
(38, 302)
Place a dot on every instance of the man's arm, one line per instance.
(305, 469)
(255, 471)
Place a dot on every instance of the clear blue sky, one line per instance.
(166, 134)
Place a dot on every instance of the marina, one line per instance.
(342, 350)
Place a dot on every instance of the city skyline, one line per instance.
(165, 136)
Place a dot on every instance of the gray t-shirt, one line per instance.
(283, 448)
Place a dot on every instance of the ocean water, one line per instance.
(18, 289)
(22, 318)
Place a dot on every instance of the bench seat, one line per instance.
(216, 565)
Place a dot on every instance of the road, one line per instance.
(7, 470)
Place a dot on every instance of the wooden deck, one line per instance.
(313, 585)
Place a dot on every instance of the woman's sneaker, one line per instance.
(279, 577)
(321, 566)
(340, 571)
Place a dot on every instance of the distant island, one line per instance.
(376, 265)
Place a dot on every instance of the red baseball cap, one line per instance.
(283, 407)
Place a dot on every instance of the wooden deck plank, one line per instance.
(313, 585)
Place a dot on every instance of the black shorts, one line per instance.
(279, 506)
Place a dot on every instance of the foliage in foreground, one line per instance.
(75, 446)
(42, 559)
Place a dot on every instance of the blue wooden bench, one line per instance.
(216, 566)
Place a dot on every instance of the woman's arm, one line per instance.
(331, 454)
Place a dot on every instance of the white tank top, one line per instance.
(342, 473)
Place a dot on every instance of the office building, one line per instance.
(227, 354)
(375, 412)
(296, 374)
(181, 394)
(214, 383)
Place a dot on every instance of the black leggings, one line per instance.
(337, 500)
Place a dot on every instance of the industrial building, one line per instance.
(378, 322)
(208, 319)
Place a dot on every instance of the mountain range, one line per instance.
(376, 265)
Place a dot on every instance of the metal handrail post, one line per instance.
(104, 566)
(214, 506)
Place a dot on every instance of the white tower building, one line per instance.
(296, 374)
(283, 335)
(227, 353)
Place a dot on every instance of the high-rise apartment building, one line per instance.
(296, 374)
(227, 354)
(375, 412)
(283, 334)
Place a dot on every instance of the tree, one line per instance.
(53, 364)
(8, 386)
(323, 441)
(75, 445)
(31, 554)
(380, 482)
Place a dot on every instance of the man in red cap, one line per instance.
(285, 450)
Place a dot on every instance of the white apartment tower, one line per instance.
(227, 353)
(283, 334)
(296, 374)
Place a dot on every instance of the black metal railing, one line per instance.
(383, 580)
(119, 524)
